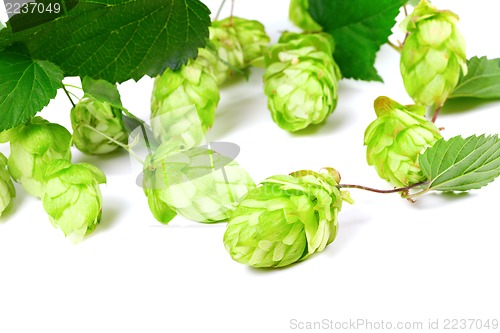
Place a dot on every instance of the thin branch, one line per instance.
(394, 46)
(124, 146)
(220, 10)
(143, 127)
(395, 190)
(232, 11)
(69, 97)
(436, 113)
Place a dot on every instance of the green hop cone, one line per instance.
(33, 146)
(225, 44)
(301, 80)
(101, 116)
(298, 12)
(198, 184)
(72, 197)
(286, 219)
(396, 139)
(433, 55)
(7, 190)
(175, 93)
(251, 36)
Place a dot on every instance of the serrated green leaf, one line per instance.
(360, 28)
(118, 40)
(102, 91)
(462, 164)
(26, 86)
(481, 81)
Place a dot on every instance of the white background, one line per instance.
(392, 260)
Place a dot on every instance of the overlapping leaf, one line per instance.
(118, 40)
(481, 81)
(360, 28)
(462, 164)
(26, 86)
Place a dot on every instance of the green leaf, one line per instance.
(462, 164)
(359, 28)
(481, 81)
(26, 86)
(102, 91)
(118, 40)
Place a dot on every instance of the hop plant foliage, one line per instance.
(396, 139)
(7, 190)
(91, 114)
(192, 86)
(298, 12)
(199, 184)
(433, 55)
(33, 146)
(301, 80)
(286, 219)
(72, 197)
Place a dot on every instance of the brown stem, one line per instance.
(395, 190)
(232, 11)
(220, 9)
(394, 46)
(436, 113)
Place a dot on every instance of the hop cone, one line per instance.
(72, 197)
(286, 219)
(102, 116)
(228, 49)
(301, 80)
(32, 147)
(198, 184)
(177, 92)
(250, 34)
(298, 13)
(396, 139)
(7, 190)
(433, 54)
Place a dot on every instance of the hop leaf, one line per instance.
(462, 164)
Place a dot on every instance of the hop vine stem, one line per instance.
(69, 96)
(436, 113)
(395, 190)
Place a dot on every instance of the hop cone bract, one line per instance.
(396, 139)
(301, 80)
(102, 116)
(433, 54)
(33, 146)
(298, 12)
(286, 219)
(174, 92)
(7, 190)
(199, 184)
(72, 197)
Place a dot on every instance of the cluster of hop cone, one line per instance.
(286, 218)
